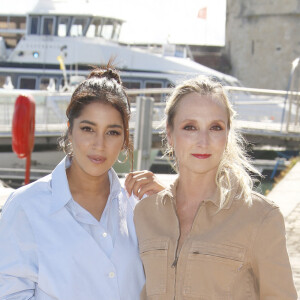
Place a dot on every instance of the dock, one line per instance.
(286, 194)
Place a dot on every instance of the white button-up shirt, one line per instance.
(52, 248)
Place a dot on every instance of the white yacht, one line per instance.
(55, 45)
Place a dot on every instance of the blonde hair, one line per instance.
(234, 169)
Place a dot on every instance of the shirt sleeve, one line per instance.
(271, 265)
(18, 256)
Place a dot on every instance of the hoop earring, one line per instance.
(126, 157)
(171, 152)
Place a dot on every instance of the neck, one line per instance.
(195, 187)
(82, 183)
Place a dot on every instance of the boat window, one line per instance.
(27, 83)
(154, 85)
(132, 85)
(48, 25)
(12, 29)
(63, 26)
(94, 28)
(34, 25)
(78, 26)
(107, 29)
(62, 83)
(13, 24)
(116, 31)
(2, 80)
(44, 83)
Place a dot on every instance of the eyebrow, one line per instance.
(193, 120)
(94, 124)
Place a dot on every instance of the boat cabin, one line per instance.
(74, 26)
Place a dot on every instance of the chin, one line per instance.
(96, 172)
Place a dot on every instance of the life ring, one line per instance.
(23, 126)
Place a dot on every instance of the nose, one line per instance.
(203, 138)
(99, 141)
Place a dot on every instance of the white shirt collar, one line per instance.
(60, 186)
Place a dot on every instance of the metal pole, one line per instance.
(297, 98)
(27, 170)
(143, 131)
(289, 113)
(294, 65)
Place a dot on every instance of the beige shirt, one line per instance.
(236, 253)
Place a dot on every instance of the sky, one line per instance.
(177, 21)
(154, 21)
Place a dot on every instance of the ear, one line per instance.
(69, 132)
(227, 138)
(169, 135)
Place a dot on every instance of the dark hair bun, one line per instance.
(108, 73)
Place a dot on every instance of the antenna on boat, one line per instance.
(60, 58)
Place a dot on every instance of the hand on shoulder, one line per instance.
(142, 183)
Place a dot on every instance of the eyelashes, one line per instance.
(189, 127)
(87, 129)
(213, 128)
(113, 132)
(109, 132)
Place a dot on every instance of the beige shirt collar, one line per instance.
(170, 193)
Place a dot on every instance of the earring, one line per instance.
(171, 151)
(126, 157)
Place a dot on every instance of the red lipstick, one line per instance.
(201, 156)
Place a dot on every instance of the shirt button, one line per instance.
(104, 234)
(111, 275)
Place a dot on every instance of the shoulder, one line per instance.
(152, 209)
(150, 202)
(259, 209)
(262, 203)
(25, 196)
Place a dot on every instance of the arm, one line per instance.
(142, 183)
(18, 259)
(270, 263)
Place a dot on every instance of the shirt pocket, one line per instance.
(154, 253)
(211, 270)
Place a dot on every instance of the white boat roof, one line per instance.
(60, 7)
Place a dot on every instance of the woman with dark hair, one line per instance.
(70, 235)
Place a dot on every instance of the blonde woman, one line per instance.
(209, 236)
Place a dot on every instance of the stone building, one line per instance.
(262, 41)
